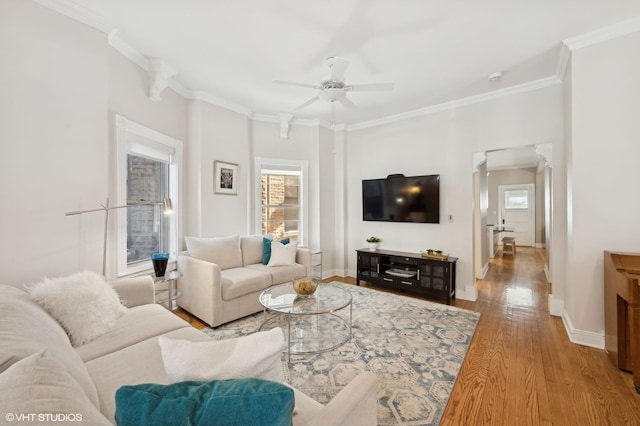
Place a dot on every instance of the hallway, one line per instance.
(521, 367)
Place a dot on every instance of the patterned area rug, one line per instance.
(415, 347)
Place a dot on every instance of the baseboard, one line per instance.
(556, 306)
(332, 273)
(581, 337)
(470, 293)
(547, 274)
(540, 245)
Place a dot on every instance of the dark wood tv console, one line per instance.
(408, 271)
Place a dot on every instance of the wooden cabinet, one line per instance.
(408, 271)
(622, 311)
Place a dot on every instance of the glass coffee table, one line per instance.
(312, 324)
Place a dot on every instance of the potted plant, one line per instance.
(373, 243)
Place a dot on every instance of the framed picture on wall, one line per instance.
(225, 178)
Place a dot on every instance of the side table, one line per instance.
(166, 290)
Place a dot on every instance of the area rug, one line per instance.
(415, 348)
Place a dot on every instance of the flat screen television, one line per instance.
(399, 198)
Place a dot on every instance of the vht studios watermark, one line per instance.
(42, 417)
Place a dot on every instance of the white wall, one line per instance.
(603, 176)
(53, 142)
(61, 83)
(443, 143)
(128, 97)
(216, 133)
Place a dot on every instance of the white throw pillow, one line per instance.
(283, 254)
(84, 304)
(256, 355)
(223, 251)
(40, 386)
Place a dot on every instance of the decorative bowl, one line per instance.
(305, 286)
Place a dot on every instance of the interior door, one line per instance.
(517, 211)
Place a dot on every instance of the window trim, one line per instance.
(135, 138)
(301, 166)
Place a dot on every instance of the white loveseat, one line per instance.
(223, 277)
(83, 380)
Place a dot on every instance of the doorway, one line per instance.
(517, 211)
(526, 168)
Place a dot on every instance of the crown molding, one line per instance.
(483, 97)
(564, 58)
(603, 34)
(76, 11)
(128, 51)
(309, 122)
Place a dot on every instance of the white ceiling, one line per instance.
(435, 51)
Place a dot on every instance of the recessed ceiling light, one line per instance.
(495, 76)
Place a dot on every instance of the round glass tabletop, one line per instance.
(283, 299)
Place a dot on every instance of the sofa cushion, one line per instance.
(40, 385)
(255, 355)
(138, 324)
(135, 364)
(223, 251)
(230, 402)
(283, 254)
(281, 274)
(25, 328)
(251, 246)
(266, 248)
(237, 282)
(83, 303)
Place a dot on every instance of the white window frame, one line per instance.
(301, 166)
(134, 138)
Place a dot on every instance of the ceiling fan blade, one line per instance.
(293, 83)
(337, 68)
(347, 103)
(370, 87)
(309, 102)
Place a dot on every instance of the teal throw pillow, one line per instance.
(266, 248)
(221, 402)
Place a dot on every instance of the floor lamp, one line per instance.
(167, 208)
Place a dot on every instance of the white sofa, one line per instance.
(127, 354)
(223, 277)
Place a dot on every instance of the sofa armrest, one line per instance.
(201, 287)
(135, 291)
(355, 404)
(303, 257)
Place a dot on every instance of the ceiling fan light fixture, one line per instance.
(331, 94)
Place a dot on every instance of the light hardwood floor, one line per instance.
(521, 368)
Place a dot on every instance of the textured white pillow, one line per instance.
(283, 254)
(223, 251)
(84, 304)
(40, 385)
(256, 355)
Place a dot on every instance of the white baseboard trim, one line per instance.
(540, 245)
(581, 337)
(332, 273)
(470, 293)
(556, 306)
(547, 273)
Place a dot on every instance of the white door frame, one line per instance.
(531, 188)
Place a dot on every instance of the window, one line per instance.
(147, 227)
(282, 193)
(516, 199)
(148, 171)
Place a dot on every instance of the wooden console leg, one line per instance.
(634, 343)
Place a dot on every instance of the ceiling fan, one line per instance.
(334, 89)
